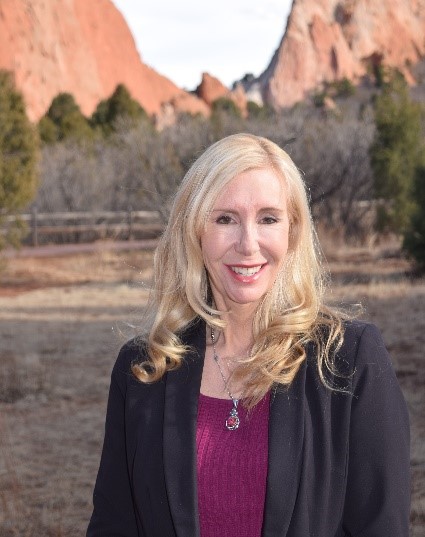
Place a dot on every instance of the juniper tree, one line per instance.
(64, 121)
(18, 157)
(119, 109)
(396, 153)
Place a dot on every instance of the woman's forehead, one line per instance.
(259, 186)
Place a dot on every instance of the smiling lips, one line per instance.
(246, 271)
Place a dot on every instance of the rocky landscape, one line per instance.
(63, 319)
(78, 46)
(327, 40)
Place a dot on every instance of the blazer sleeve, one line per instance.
(377, 499)
(113, 513)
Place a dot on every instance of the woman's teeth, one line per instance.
(245, 271)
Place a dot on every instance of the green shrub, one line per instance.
(226, 106)
(414, 237)
(343, 88)
(396, 153)
(319, 99)
(18, 157)
(64, 120)
(119, 107)
(255, 111)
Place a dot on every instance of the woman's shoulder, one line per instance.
(131, 352)
(358, 346)
(349, 335)
(356, 331)
(363, 353)
(360, 337)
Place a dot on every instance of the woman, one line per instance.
(248, 407)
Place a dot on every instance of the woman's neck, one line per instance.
(236, 338)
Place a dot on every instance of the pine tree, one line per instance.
(18, 157)
(414, 238)
(63, 121)
(119, 107)
(395, 153)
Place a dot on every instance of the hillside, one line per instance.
(327, 40)
(78, 46)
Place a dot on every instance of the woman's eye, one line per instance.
(269, 220)
(224, 219)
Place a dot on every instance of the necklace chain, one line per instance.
(233, 421)
(217, 361)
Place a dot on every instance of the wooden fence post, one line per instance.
(34, 226)
(130, 223)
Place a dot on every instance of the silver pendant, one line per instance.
(233, 421)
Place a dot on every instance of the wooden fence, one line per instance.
(75, 227)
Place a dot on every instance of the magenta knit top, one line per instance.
(232, 468)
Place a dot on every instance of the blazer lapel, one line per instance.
(286, 435)
(179, 434)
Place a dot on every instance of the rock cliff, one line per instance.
(326, 40)
(210, 89)
(83, 47)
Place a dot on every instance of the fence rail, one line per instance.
(82, 226)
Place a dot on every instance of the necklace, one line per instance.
(232, 422)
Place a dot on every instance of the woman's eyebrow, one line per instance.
(261, 209)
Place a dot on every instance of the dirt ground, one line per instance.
(62, 321)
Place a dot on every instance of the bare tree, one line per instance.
(332, 151)
(71, 178)
(141, 168)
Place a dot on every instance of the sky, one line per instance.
(226, 38)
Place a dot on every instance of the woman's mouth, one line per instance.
(246, 271)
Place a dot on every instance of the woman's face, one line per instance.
(245, 241)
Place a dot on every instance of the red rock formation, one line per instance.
(326, 40)
(79, 46)
(238, 96)
(210, 89)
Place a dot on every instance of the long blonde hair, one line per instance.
(290, 315)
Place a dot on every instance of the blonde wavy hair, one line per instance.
(290, 315)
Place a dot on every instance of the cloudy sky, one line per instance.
(227, 38)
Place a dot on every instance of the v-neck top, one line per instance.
(232, 468)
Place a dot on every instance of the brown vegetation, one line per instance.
(62, 322)
(139, 169)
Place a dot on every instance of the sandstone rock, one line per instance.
(210, 89)
(79, 46)
(186, 102)
(327, 40)
(239, 97)
(181, 103)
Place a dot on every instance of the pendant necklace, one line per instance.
(232, 422)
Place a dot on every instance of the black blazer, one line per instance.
(338, 464)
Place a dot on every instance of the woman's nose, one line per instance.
(247, 243)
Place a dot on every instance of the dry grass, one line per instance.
(62, 322)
